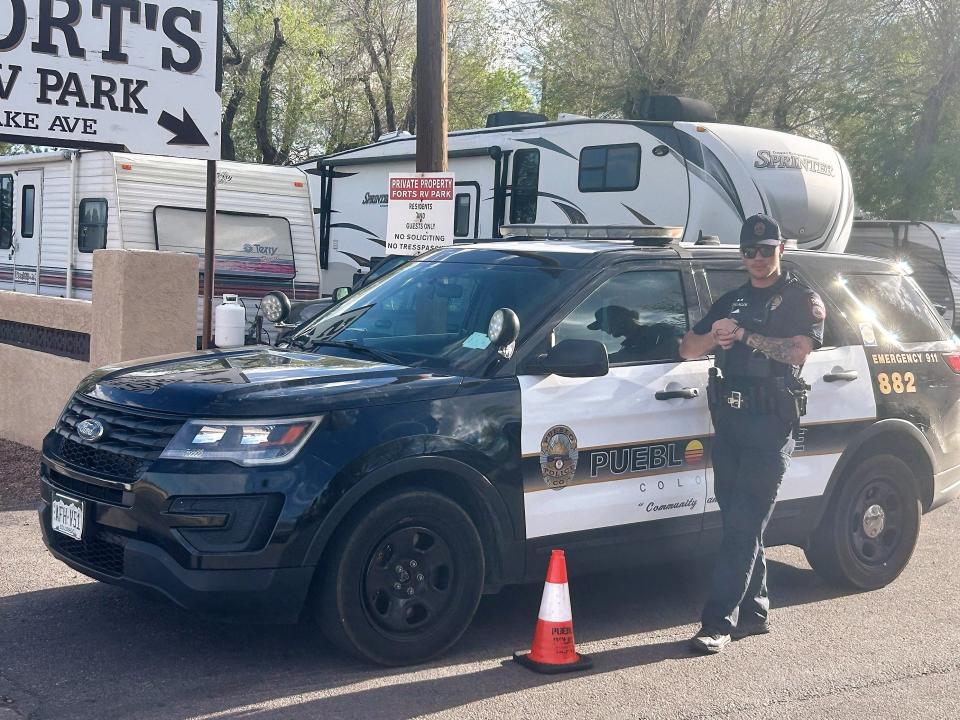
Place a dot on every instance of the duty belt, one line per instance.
(751, 400)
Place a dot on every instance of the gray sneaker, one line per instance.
(750, 628)
(704, 642)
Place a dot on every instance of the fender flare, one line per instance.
(507, 559)
(889, 425)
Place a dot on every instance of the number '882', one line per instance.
(896, 383)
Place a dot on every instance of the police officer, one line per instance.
(762, 333)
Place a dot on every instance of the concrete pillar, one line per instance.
(144, 304)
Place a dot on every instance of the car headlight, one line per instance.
(275, 306)
(243, 442)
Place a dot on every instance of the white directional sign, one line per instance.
(112, 74)
(419, 212)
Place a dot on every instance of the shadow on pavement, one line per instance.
(95, 651)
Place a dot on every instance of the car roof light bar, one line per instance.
(639, 234)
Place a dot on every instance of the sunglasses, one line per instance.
(766, 251)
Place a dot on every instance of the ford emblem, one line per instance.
(90, 430)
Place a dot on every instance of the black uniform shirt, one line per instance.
(785, 309)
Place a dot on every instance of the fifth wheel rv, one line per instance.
(703, 176)
(57, 208)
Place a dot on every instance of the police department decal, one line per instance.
(558, 456)
(758, 228)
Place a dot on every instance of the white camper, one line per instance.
(706, 177)
(56, 208)
(931, 249)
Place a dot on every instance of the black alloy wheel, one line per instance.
(869, 532)
(409, 580)
(402, 579)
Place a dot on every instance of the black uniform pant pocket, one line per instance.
(750, 455)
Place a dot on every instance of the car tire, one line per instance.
(870, 530)
(402, 580)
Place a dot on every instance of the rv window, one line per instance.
(609, 168)
(247, 244)
(526, 182)
(461, 215)
(26, 211)
(6, 211)
(92, 229)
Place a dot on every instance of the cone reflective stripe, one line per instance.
(553, 649)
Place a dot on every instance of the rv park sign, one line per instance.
(141, 76)
(419, 212)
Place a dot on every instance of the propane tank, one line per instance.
(230, 320)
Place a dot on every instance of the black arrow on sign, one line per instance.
(185, 132)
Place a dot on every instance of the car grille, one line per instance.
(131, 441)
(85, 489)
(101, 551)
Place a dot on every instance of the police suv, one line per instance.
(433, 436)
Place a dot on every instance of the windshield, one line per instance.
(435, 314)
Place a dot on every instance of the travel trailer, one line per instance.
(56, 208)
(703, 176)
(931, 249)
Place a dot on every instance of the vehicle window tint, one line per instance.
(721, 282)
(6, 211)
(92, 228)
(461, 215)
(895, 306)
(526, 183)
(609, 168)
(638, 316)
(26, 211)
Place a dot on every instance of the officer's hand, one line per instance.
(725, 326)
(724, 332)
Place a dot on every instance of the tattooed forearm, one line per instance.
(791, 350)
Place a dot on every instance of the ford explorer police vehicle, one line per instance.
(434, 435)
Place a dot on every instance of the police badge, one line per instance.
(558, 456)
(774, 302)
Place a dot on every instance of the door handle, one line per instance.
(688, 392)
(838, 374)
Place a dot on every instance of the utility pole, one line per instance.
(431, 85)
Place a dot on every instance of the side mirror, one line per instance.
(572, 358)
(340, 293)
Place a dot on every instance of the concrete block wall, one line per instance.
(144, 304)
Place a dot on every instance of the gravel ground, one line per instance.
(18, 476)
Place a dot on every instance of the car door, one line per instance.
(619, 458)
(840, 403)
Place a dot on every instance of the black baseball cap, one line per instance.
(760, 229)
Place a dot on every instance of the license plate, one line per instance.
(66, 515)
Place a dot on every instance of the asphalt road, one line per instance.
(75, 649)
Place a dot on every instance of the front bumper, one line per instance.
(125, 542)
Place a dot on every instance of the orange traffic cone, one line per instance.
(553, 649)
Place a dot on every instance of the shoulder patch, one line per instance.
(817, 309)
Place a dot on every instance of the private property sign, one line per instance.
(419, 212)
(133, 75)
